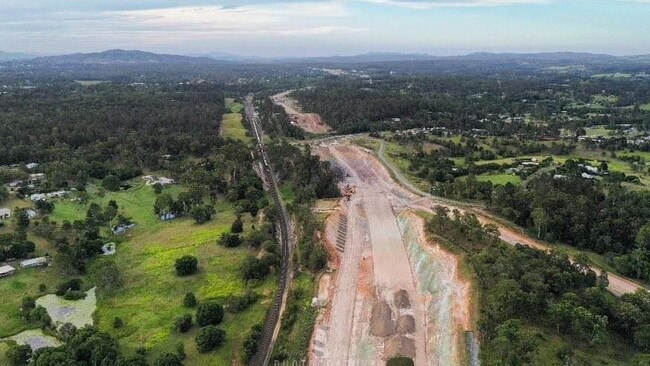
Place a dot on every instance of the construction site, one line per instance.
(309, 122)
(392, 292)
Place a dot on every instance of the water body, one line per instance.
(35, 338)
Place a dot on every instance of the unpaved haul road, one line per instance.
(380, 306)
(618, 285)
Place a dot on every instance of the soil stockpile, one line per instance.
(381, 321)
(405, 325)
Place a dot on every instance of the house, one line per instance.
(559, 176)
(589, 168)
(7, 271)
(5, 213)
(150, 180)
(31, 166)
(36, 177)
(31, 214)
(108, 249)
(15, 185)
(121, 229)
(167, 216)
(43, 196)
(588, 176)
(34, 262)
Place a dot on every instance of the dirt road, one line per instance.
(618, 285)
(310, 122)
(390, 296)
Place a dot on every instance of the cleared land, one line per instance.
(618, 285)
(379, 305)
(231, 123)
(310, 122)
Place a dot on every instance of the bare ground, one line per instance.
(362, 317)
(310, 122)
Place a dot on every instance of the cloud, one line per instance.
(429, 4)
(176, 27)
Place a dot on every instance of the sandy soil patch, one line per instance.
(310, 122)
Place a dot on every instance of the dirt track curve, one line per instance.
(618, 285)
(393, 293)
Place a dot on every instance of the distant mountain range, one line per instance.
(11, 56)
(482, 56)
(122, 57)
(211, 58)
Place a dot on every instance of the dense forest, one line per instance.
(529, 297)
(466, 102)
(108, 123)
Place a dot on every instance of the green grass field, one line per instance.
(499, 178)
(14, 288)
(295, 341)
(231, 123)
(151, 297)
(597, 131)
(645, 107)
(136, 203)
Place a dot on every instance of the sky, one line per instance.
(287, 28)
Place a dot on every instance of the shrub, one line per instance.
(168, 359)
(235, 304)
(111, 183)
(180, 350)
(252, 341)
(28, 303)
(107, 276)
(68, 330)
(118, 323)
(189, 301)
(254, 269)
(400, 361)
(201, 213)
(73, 284)
(186, 265)
(183, 323)
(19, 355)
(209, 338)
(74, 295)
(237, 226)
(230, 240)
(209, 313)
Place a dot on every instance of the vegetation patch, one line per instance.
(499, 178)
(76, 312)
(35, 338)
(232, 125)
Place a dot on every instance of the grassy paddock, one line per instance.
(232, 125)
(151, 297)
(152, 294)
(499, 178)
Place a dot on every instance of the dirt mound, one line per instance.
(402, 300)
(381, 321)
(405, 325)
(399, 346)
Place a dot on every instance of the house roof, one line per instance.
(6, 269)
(29, 262)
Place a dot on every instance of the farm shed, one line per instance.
(34, 262)
(7, 271)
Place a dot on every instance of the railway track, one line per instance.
(272, 322)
